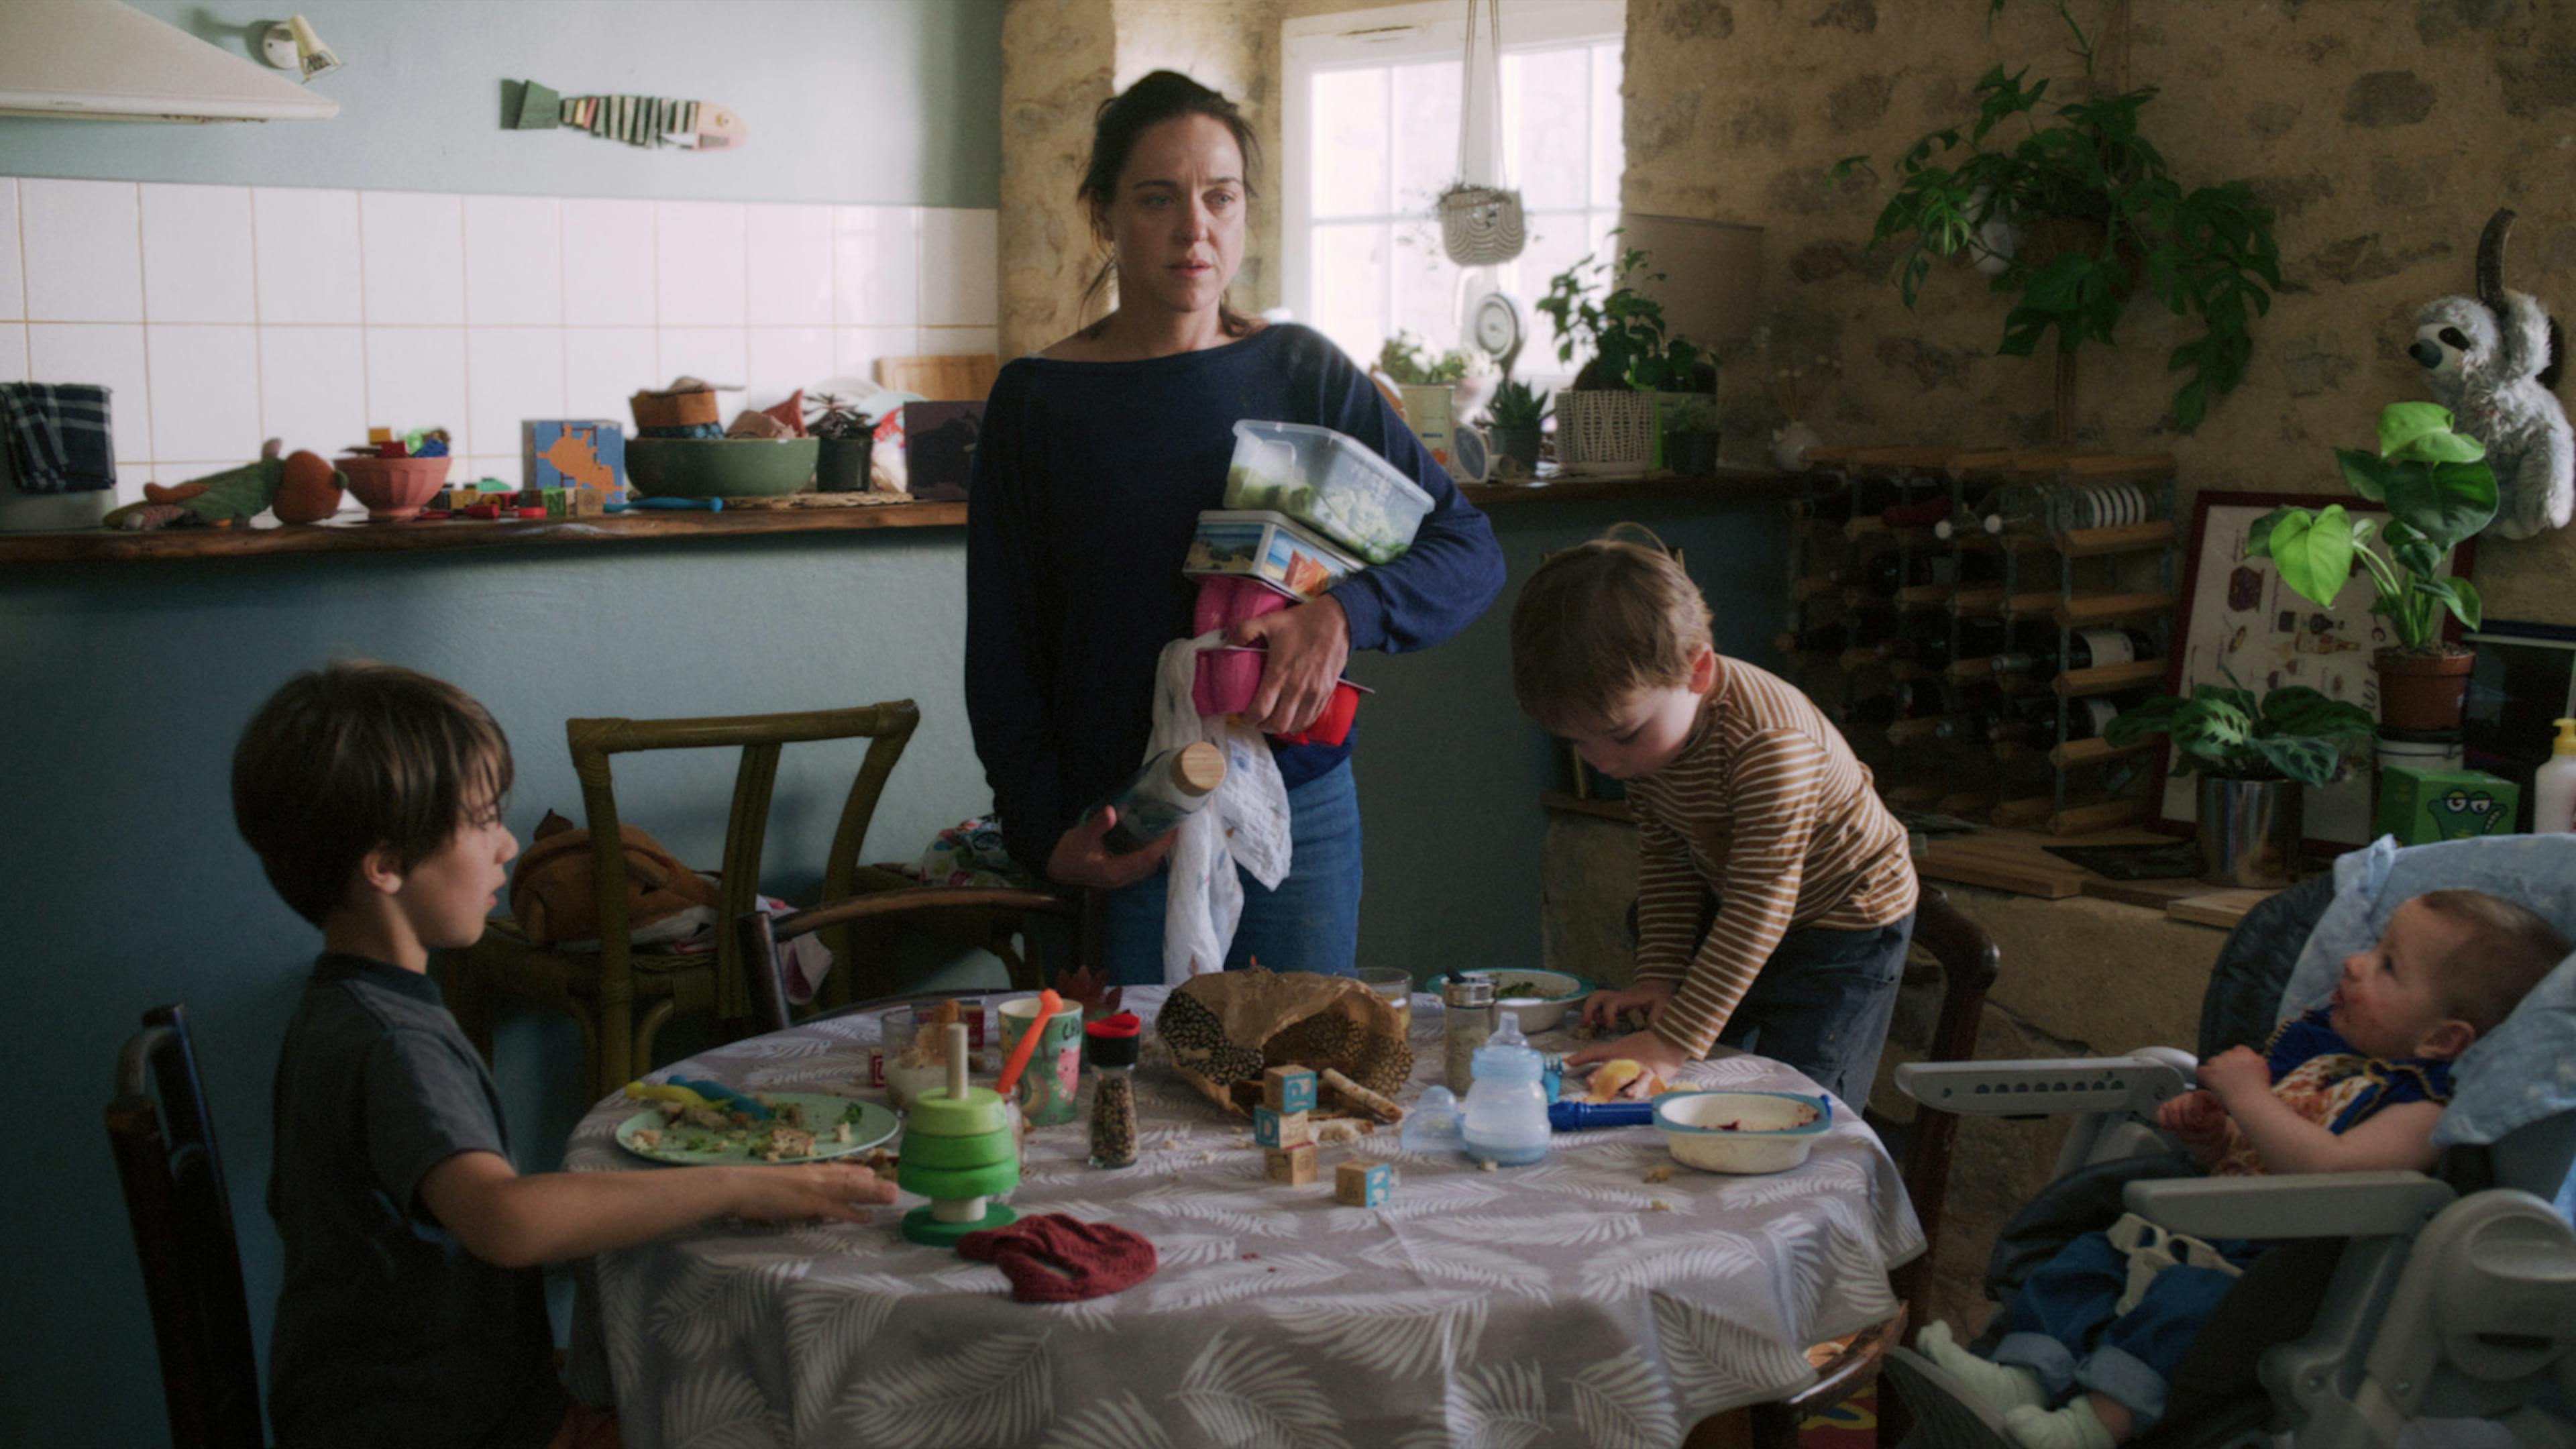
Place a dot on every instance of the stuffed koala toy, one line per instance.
(2492, 359)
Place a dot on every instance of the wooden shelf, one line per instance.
(1912, 731)
(2124, 538)
(2086, 819)
(1598, 809)
(439, 535)
(2094, 751)
(2109, 678)
(2097, 608)
(1553, 487)
(1966, 669)
(2120, 468)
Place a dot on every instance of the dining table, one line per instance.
(1605, 1296)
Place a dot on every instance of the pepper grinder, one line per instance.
(1466, 1019)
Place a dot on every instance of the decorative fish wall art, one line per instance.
(635, 120)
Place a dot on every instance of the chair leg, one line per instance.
(645, 1031)
(1730, 1430)
(1774, 1426)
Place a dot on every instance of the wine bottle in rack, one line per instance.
(1929, 512)
(2085, 649)
(2034, 510)
(1924, 641)
(1969, 520)
(1859, 498)
(2032, 718)
(1858, 631)
(1882, 574)
(1904, 701)
(1975, 709)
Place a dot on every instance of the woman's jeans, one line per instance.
(1311, 923)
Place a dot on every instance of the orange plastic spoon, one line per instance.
(1048, 1005)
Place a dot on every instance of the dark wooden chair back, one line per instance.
(183, 1233)
(1968, 958)
(760, 935)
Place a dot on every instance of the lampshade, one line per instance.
(1712, 273)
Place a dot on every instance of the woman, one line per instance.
(1096, 458)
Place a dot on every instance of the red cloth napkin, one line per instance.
(1051, 1258)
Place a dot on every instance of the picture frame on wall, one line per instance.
(2235, 616)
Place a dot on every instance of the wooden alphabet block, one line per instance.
(1293, 1166)
(1280, 1129)
(1363, 1184)
(1288, 1089)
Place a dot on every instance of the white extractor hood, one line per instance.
(108, 61)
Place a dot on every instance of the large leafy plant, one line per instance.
(2438, 491)
(1408, 360)
(1622, 330)
(2292, 733)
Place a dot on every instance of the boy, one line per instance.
(2354, 1086)
(1739, 788)
(413, 1311)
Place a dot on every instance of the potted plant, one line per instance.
(848, 443)
(1515, 417)
(1426, 388)
(1690, 446)
(2254, 758)
(2074, 218)
(2439, 492)
(1610, 419)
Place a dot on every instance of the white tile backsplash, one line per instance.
(197, 254)
(221, 315)
(84, 250)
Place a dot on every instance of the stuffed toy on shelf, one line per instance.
(2493, 360)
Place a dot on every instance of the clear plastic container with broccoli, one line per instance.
(1329, 480)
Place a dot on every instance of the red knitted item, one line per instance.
(1051, 1258)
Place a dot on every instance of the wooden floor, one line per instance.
(2014, 861)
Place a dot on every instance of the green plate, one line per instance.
(875, 1127)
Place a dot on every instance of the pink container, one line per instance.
(1227, 680)
(1228, 600)
(394, 488)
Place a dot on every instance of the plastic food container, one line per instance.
(1269, 547)
(1228, 599)
(1334, 725)
(1329, 480)
(1741, 1132)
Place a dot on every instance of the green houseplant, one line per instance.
(1516, 416)
(843, 459)
(2439, 492)
(1691, 436)
(2254, 756)
(2098, 217)
(1610, 420)
(1407, 360)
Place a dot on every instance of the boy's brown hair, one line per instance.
(1599, 622)
(357, 755)
(2510, 948)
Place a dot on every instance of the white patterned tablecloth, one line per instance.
(1568, 1303)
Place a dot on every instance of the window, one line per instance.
(1369, 140)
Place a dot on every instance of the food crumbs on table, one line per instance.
(1658, 1205)
(1658, 1174)
(1488, 1165)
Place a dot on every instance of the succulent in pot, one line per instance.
(848, 446)
(1691, 437)
(1515, 417)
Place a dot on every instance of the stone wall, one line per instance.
(1058, 60)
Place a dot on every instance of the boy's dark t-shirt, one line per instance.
(388, 1331)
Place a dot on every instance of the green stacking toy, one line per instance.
(957, 1152)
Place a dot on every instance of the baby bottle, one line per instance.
(1505, 1119)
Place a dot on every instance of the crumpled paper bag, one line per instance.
(1226, 1028)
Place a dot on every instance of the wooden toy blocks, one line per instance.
(1280, 1129)
(1363, 1184)
(1288, 1089)
(1293, 1166)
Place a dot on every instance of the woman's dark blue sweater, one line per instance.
(1088, 480)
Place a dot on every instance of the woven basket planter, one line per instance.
(1609, 430)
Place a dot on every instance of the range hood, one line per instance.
(108, 61)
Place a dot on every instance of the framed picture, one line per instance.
(2235, 616)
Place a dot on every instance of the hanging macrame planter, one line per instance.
(1481, 226)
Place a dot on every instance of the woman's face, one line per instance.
(1177, 219)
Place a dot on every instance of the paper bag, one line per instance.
(1226, 1028)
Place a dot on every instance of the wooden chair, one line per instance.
(1967, 958)
(761, 934)
(966, 377)
(604, 991)
(183, 1231)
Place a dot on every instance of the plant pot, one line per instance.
(1692, 455)
(1790, 442)
(2249, 831)
(1605, 431)
(2422, 691)
(842, 464)
(1517, 447)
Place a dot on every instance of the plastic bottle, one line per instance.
(2553, 786)
(1432, 1126)
(1505, 1119)
(1170, 788)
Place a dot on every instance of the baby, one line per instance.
(2353, 1086)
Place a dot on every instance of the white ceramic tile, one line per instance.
(784, 359)
(307, 245)
(414, 245)
(876, 265)
(113, 358)
(13, 294)
(954, 341)
(855, 350)
(698, 263)
(197, 254)
(789, 252)
(960, 268)
(416, 379)
(608, 263)
(720, 355)
(508, 469)
(313, 387)
(605, 366)
(13, 352)
(84, 250)
(511, 374)
(207, 405)
(513, 261)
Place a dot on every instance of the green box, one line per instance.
(2422, 806)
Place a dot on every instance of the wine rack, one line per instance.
(1904, 554)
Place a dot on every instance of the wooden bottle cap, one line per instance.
(1200, 768)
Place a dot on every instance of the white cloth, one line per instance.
(1246, 824)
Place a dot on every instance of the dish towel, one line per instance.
(58, 436)
(1245, 825)
(1052, 1258)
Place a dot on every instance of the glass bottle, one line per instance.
(1466, 1019)
(1505, 1118)
(1168, 789)
(2085, 649)
(1113, 1089)
(1905, 701)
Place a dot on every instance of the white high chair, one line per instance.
(2453, 1297)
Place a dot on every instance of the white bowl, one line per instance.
(1741, 1131)
(1562, 992)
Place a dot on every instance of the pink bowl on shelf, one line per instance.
(1227, 679)
(394, 488)
(1227, 600)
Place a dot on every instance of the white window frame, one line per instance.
(1394, 35)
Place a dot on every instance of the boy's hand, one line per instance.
(1081, 858)
(821, 1191)
(2235, 1072)
(1603, 1008)
(1642, 1047)
(1308, 646)
(2195, 1117)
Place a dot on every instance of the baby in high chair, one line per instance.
(2352, 1086)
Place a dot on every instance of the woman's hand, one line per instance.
(1603, 1008)
(1642, 1047)
(1081, 858)
(1308, 646)
(822, 1191)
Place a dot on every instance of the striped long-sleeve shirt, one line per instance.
(1765, 805)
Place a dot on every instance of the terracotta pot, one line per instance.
(2422, 691)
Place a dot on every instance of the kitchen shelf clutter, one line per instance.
(1972, 617)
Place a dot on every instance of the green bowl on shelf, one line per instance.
(721, 467)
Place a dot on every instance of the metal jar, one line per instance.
(2249, 831)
